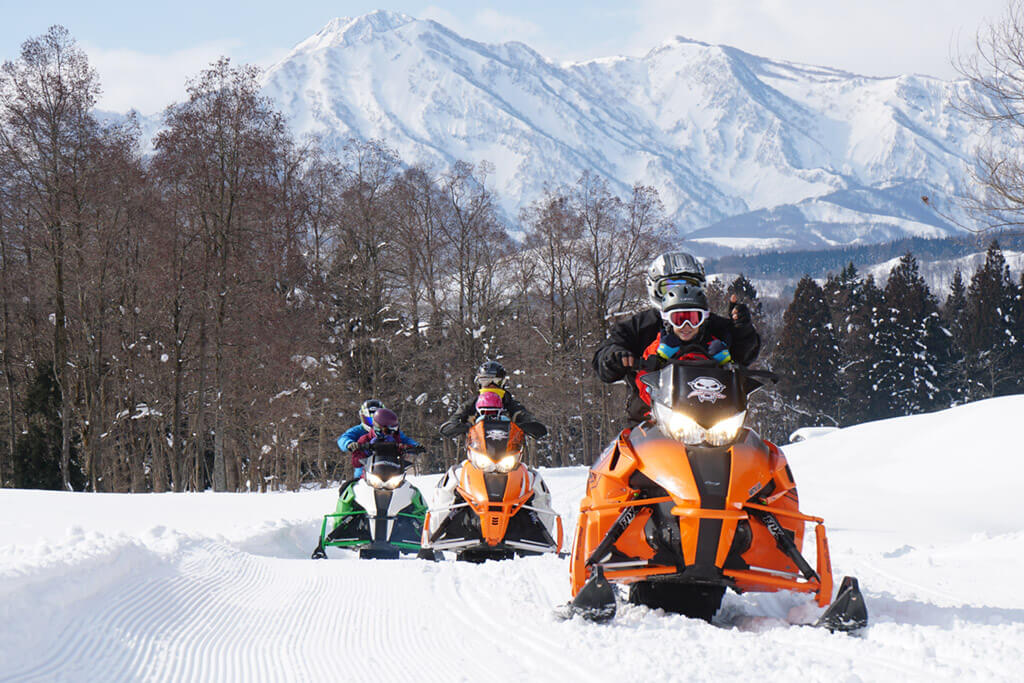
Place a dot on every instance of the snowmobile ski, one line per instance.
(847, 612)
(595, 601)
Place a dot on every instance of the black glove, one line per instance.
(652, 363)
(619, 358)
(451, 428)
(534, 429)
(740, 314)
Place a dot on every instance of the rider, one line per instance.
(490, 404)
(349, 441)
(679, 324)
(384, 430)
(491, 377)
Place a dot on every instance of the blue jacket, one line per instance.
(353, 435)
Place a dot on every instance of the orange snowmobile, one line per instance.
(691, 502)
(492, 506)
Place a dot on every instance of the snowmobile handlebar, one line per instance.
(401, 447)
(655, 363)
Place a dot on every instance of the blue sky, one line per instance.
(144, 51)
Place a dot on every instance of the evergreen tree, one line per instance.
(807, 356)
(37, 454)
(844, 293)
(745, 291)
(916, 342)
(991, 345)
(953, 315)
(864, 357)
(718, 301)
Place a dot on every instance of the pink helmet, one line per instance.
(489, 404)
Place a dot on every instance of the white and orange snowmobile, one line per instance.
(492, 506)
(691, 502)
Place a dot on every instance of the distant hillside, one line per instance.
(774, 273)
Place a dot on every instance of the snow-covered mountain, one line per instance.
(745, 150)
(202, 586)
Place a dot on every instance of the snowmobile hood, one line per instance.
(495, 438)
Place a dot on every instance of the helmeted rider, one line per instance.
(493, 405)
(491, 377)
(490, 405)
(348, 441)
(678, 324)
(384, 430)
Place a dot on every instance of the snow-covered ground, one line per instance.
(924, 510)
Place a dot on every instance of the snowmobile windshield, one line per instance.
(495, 445)
(698, 404)
(385, 472)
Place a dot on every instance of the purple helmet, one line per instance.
(385, 421)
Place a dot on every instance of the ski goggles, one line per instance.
(664, 283)
(484, 381)
(694, 317)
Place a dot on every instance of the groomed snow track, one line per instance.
(219, 587)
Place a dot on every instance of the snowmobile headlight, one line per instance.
(679, 426)
(482, 461)
(508, 463)
(374, 481)
(725, 431)
(685, 429)
(395, 481)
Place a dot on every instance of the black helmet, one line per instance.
(672, 268)
(491, 372)
(683, 295)
(385, 421)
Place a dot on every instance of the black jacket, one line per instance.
(460, 422)
(637, 333)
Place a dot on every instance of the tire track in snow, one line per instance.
(486, 600)
(207, 642)
(127, 629)
(396, 634)
(97, 634)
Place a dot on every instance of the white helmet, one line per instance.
(672, 267)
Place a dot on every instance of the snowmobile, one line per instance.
(691, 502)
(492, 506)
(380, 515)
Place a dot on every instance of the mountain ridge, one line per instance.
(731, 140)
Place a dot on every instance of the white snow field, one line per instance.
(925, 510)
